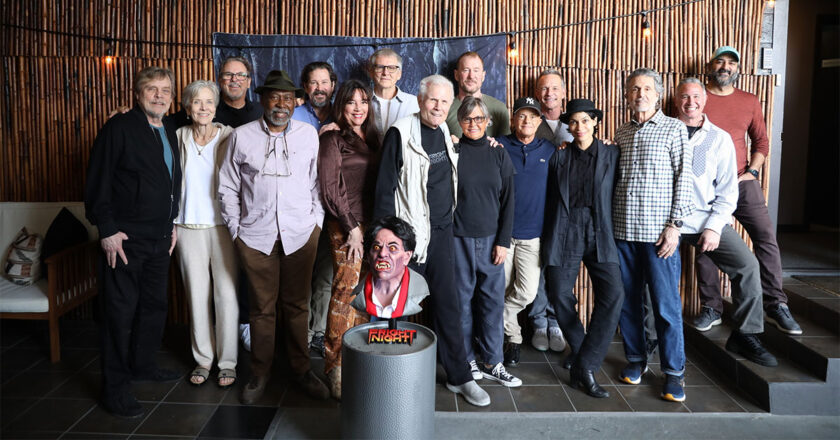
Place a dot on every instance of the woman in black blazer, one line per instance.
(578, 227)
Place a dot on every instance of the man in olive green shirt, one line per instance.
(469, 74)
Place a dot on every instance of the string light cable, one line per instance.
(111, 41)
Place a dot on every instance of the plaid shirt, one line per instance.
(651, 187)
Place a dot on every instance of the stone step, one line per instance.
(817, 350)
(814, 301)
(789, 388)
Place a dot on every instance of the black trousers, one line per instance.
(590, 347)
(446, 310)
(133, 306)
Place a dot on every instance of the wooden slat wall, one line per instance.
(57, 90)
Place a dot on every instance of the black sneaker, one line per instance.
(499, 374)
(750, 347)
(707, 318)
(779, 314)
(123, 405)
(511, 354)
(317, 344)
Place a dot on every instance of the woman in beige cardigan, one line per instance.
(205, 251)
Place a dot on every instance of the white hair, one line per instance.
(437, 80)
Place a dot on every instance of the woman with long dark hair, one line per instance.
(347, 168)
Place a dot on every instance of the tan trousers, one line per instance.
(279, 282)
(341, 316)
(522, 279)
(209, 269)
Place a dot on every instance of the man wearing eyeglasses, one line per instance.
(235, 108)
(270, 202)
(389, 102)
(469, 74)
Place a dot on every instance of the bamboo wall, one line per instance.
(57, 90)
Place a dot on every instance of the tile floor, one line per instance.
(43, 400)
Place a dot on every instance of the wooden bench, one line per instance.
(71, 273)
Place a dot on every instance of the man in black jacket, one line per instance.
(132, 196)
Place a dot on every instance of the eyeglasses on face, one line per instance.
(476, 119)
(241, 76)
(381, 67)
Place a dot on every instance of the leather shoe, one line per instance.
(570, 359)
(123, 405)
(313, 386)
(253, 390)
(159, 375)
(584, 380)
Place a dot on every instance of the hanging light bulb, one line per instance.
(771, 3)
(513, 52)
(645, 26)
(109, 58)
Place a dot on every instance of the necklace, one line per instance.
(200, 148)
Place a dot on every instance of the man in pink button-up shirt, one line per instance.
(268, 189)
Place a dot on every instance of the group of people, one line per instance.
(495, 211)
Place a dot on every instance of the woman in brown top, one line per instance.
(347, 165)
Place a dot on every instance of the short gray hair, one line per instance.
(692, 80)
(150, 74)
(196, 86)
(469, 104)
(547, 72)
(657, 79)
(384, 52)
(437, 80)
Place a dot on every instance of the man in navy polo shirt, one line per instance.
(530, 156)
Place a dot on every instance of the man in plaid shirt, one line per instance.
(652, 196)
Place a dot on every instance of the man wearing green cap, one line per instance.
(270, 202)
(739, 113)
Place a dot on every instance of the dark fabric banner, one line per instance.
(348, 56)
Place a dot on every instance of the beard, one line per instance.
(319, 104)
(278, 117)
(723, 81)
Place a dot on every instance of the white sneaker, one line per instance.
(540, 339)
(476, 373)
(499, 374)
(472, 393)
(245, 336)
(556, 342)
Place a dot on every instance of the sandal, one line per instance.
(227, 373)
(201, 372)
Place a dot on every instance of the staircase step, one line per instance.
(787, 389)
(817, 304)
(817, 350)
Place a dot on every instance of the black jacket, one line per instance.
(558, 199)
(128, 186)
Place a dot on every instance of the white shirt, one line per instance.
(560, 130)
(714, 179)
(388, 111)
(200, 206)
(386, 310)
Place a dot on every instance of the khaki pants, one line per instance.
(283, 282)
(209, 269)
(522, 278)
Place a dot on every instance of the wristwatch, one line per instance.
(675, 223)
(753, 172)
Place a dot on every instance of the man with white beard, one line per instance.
(270, 202)
(653, 193)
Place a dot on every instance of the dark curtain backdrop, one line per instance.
(348, 56)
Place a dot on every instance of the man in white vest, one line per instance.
(418, 182)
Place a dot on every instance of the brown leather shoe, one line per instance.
(313, 386)
(253, 390)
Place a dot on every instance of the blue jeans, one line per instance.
(481, 284)
(640, 265)
(542, 311)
